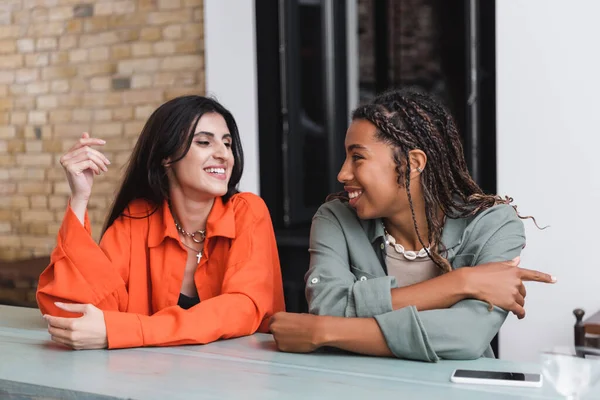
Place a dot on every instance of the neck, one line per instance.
(191, 214)
(402, 227)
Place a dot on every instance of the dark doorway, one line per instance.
(302, 85)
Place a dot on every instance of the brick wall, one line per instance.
(413, 44)
(69, 66)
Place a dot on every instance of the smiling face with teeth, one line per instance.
(206, 168)
(369, 174)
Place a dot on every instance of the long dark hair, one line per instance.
(408, 119)
(168, 133)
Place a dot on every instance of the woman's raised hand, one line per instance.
(81, 163)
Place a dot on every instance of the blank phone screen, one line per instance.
(503, 376)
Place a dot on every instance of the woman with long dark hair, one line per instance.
(184, 258)
(386, 270)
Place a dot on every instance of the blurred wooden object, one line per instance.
(18, 281)
(587, 332)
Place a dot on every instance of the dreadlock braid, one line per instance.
(408, 120)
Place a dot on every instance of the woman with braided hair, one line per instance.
(386, 273)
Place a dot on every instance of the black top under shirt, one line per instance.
(186, 302)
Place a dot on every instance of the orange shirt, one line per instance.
(136, 272)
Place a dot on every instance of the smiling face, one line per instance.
(206, 168)
(369, 174)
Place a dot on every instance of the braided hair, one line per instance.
(407, 120)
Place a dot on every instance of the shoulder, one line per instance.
(248, 206)
(336, 210)
(336, 216)
(501, 217)
(140, 207)
(495, 233)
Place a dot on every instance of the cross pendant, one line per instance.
(199, 256)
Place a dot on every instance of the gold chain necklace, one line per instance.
(193, 234)
(201, 233)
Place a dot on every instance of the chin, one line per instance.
(365, 213)
(369, 213)
(218, 193)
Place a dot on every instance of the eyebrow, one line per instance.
(212, 135)
(356, 147)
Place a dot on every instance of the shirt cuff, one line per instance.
(123, 330)
(71, 226)
(372, 297)
(405, 335)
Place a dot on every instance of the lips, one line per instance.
(354, 194)
(216, 172)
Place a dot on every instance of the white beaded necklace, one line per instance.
(408, 254)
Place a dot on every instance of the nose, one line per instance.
(221, 151)
(345, 174)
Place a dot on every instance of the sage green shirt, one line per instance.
(347, 278)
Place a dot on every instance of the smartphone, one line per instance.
(496, 378)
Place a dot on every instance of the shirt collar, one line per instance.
(453, 232)
(373, 228)
(451, 235)
(221, 222)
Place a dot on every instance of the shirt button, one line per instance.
(314, 280)
(382, 246)
(363, 278)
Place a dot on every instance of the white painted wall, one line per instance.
(230, 58)
(548, 87)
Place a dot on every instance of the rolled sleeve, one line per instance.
(331, 287)
(405, 335)
(371, 297)
(462, 332)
